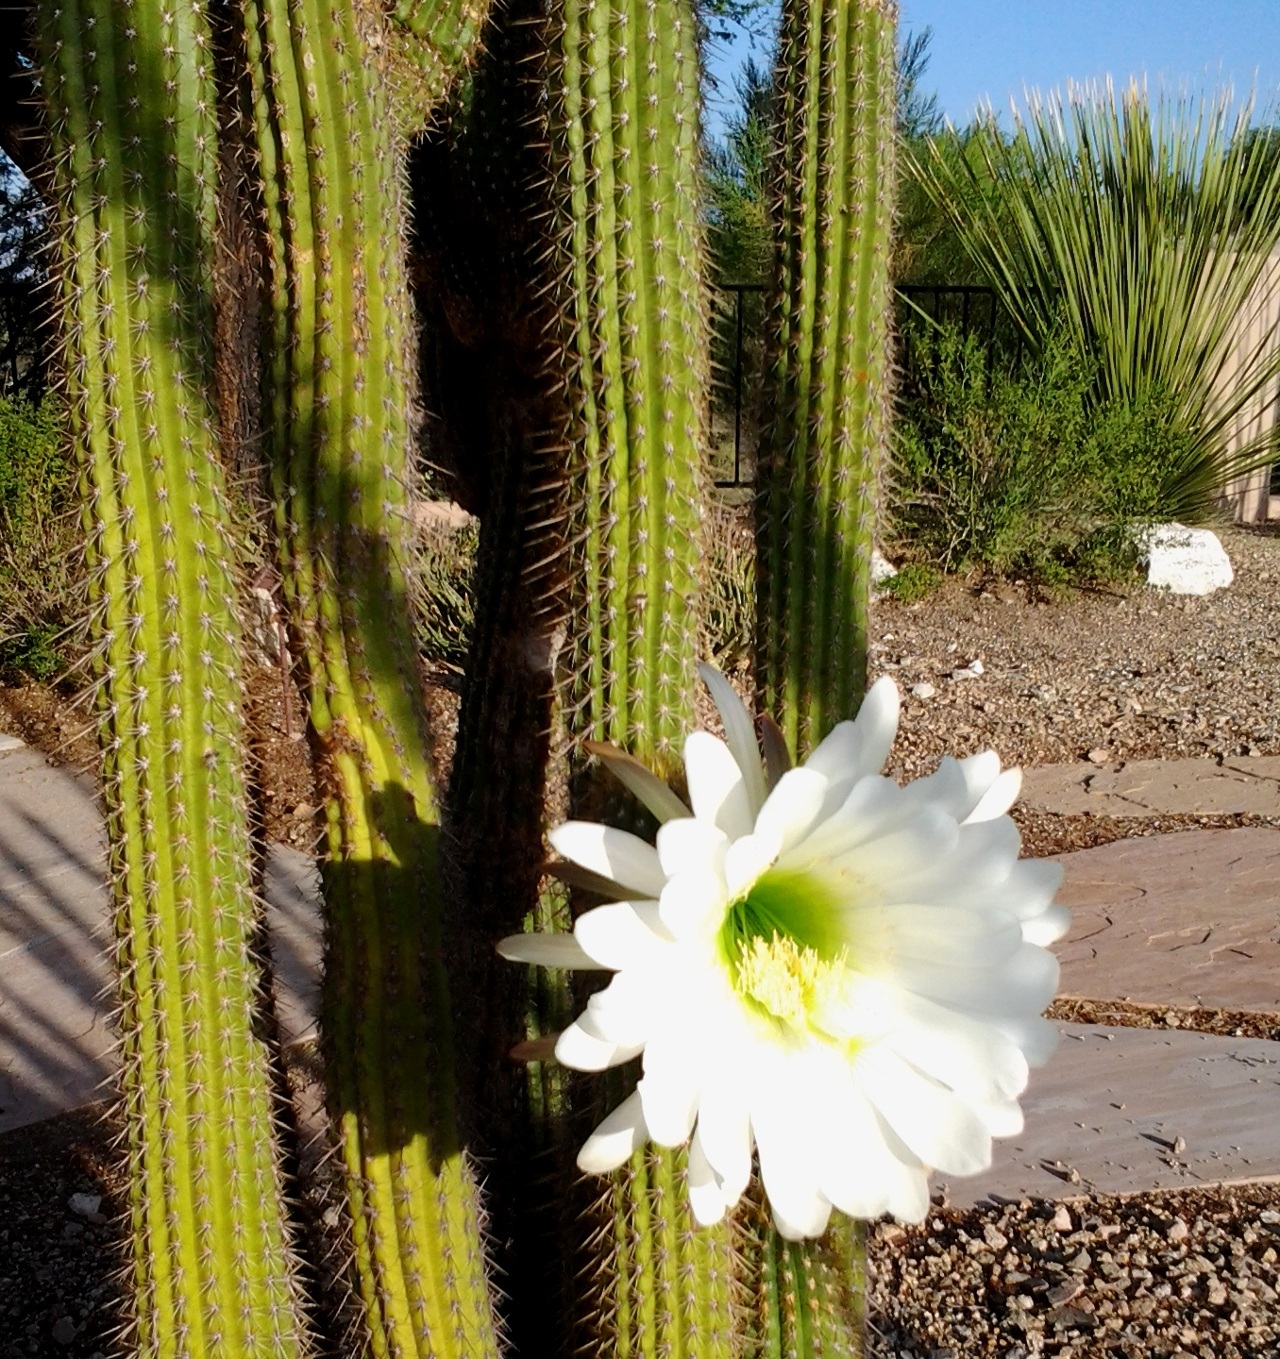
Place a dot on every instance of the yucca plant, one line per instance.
(1148, 225)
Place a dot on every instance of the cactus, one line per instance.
(829, 367)
(131, 108)
(339, 439)
(622, 131)
(829, 308)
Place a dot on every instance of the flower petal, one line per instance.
(689, 845)
(647, 788)
(1047, 927)
(724, 1128)
(800, 1209)
(546, 950)
(717, 789)
(626, 1011)
(616, 854)
(792, 809)
(858, 748)
(934, 1122)
(945, 935)
(622, 933)
(582, 1050)
(739, 732)
(668, 1091)
(999, 797)
(1021, 985)
(616, 1139)
(693, 904)
(706, 1197)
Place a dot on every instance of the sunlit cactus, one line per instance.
(828, 393)
(131, 110)
(339, 440)
(622, 127)
(829, 365)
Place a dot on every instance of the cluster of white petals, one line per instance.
(843, 975)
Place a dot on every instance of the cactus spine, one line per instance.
(829, 387)
(622, 137)
(339, 439)
(829, 371)
(134, 139)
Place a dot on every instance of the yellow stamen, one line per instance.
(786, 979)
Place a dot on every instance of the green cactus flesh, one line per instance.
(623, 130)
(339, 440)
(622, 137)
(133, 135)
(829, 372)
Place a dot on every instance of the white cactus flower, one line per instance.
(845, 975)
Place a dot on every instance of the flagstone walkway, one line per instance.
(1185, 919)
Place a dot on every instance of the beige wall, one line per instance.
(1258, 326)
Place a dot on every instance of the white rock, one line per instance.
(1185, 561)
(882, 569)
(973, 670)
(923, 690)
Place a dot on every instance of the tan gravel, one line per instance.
(1181, 1275)
(1135, 673)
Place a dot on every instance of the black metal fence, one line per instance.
(737, 413)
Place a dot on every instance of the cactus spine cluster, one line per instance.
(339, 440)
(622, 136)
(829, 305)
(133, 129)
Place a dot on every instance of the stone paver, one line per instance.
(1186, 919)
(1117, 1105)
(55, 977)
(1156, 787)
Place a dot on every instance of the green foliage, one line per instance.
(445, 617)
(915, 580)
(1022, 472)
(1147, 228)
(41, 558)
(728, 618)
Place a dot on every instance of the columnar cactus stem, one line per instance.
(829, 379)
(622, 135)
(829, 370)
(132, 120)
(339, 440)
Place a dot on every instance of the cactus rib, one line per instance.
(829, 368)
(621, 128)
(829, 385)
(134, 139)
(339, 438)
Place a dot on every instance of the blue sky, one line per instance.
(991, 48)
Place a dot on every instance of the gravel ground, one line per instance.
(1137, 674)
(1185, 1275)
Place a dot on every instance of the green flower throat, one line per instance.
(784, 948)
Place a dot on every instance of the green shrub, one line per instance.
(41, 572)
(914, 581)
(729, 590)
(1019, 471)
(446, 613)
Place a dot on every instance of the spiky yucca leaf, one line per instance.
(130, 96)
(1148, 229)
(339, 440)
